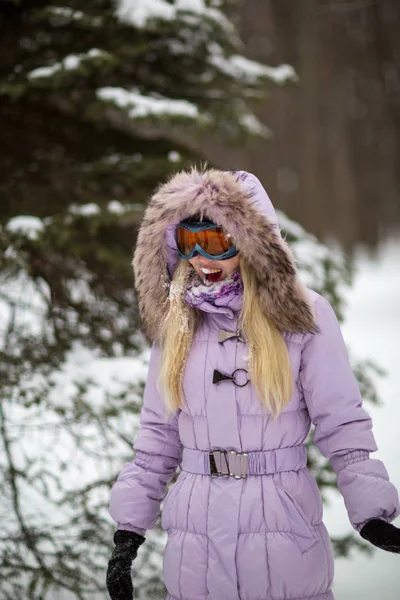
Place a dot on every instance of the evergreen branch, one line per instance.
(26, 531)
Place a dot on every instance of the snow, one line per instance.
(28, 300)
(108, 376)
(72, 437)
(66, 11)
(372, 331)
(70, 62)
(251, 71)
(86, 210)
(114, 158)
(254, 126)
(70, 441)
(27, 225)
(191, 5)
(140, 12)
(207, 287)
(312, 256)
(143, 106)
(117, 208)
(114, 207)
(174, 156)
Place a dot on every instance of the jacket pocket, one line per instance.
(304, 533)
(169, 501)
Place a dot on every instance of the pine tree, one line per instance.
(107, 91)
(99, 101)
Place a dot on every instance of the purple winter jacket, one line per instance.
(260, 537)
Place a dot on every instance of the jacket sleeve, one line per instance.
(343, 429)
(141, 485)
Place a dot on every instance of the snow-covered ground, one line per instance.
(372, 329)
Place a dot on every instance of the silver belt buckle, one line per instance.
(228, 463)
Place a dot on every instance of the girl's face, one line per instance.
(221, 269)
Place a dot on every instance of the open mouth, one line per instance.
(212, 275)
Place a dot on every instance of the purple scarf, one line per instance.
(197, 292)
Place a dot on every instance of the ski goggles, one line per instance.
(205, 238)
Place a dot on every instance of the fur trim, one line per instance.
(223, 198)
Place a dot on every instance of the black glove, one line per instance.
(382, 535)
(119, 581)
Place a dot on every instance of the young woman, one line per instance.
(243, 360)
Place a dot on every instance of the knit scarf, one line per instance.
(197, 292)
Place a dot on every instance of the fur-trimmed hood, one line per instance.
(238, 202)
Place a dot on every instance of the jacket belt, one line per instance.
(221, 462)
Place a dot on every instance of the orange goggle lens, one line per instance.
(214, 241)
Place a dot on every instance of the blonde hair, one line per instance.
(268, 365)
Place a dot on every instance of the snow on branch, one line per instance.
(26, 224)
(69, 63)
(66, 11)
(144, 106)
(317, 263)
(139, 12)
(250, 71)
(254, 126)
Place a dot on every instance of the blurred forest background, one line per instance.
(101, 100)
(333, 161)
